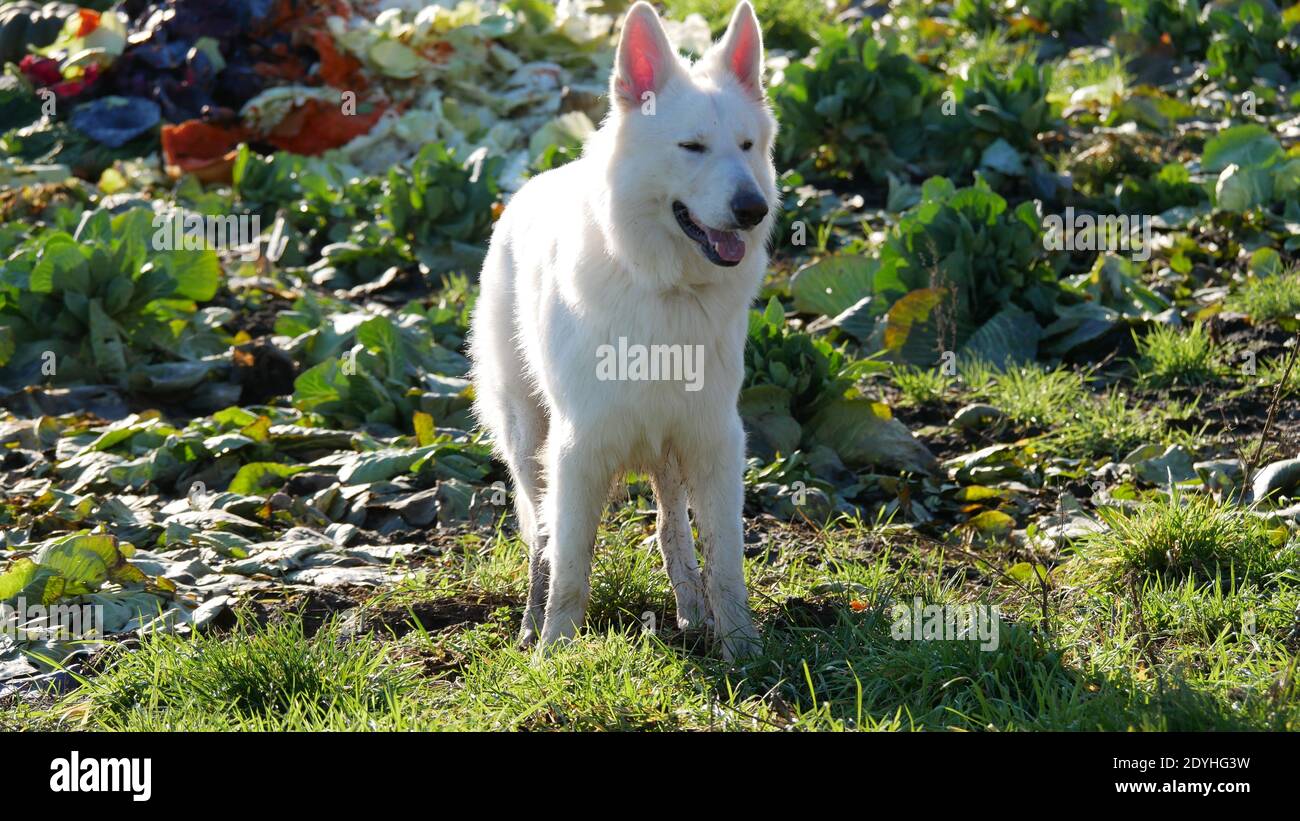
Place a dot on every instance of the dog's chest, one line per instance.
(644, 368)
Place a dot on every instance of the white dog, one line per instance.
(648, 250)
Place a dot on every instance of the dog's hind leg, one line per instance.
(678, 546)
(523, 449)
(505, 404)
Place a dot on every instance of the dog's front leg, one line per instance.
(577, 486)
(715, 478)
(678, 546)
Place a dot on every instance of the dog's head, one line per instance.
(695, 139)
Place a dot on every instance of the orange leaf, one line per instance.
(89, 21)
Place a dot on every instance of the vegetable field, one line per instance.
(1021, 396)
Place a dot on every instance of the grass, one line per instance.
(1269, 374)
(829, 661)
(611, 681)
(1180, 536)
(920, 386)
(1108, 77)
(1065, 408)
(992, 48)
(1169, 356)
(1268, 298)
(266, 677)
(1073, 417)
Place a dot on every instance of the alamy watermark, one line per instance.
(74, 773)
(947, 622)
(51, 622)
(178, 229)
(1101, 232)
(636, 362)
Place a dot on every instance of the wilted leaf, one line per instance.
(864, 433)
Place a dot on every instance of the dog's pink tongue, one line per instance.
(727, 244)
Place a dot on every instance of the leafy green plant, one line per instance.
(1249, 42)
(266, 183)
(953, 264)
(1254, 171)
(978, 15)
(997, 118)
(379, 370)
(436, 213)
(789, 487)
(806, 367)
(799, 389)
(73, 565)
(1170, 187)
(1110, 293)
(1180, 24)
(787, 24)
(439, 211)
(100, 304)
(992, 256)
(959, 272)
(1039, 16)
(1062, 16)
(853, 108)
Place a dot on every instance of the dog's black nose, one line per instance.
(749, 208)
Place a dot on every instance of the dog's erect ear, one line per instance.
(645, 58)
(741, 48)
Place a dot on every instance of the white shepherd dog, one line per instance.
(654, 241)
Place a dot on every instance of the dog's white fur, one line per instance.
(590, 252)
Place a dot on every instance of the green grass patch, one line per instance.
(1268, 298)
(1181, 536)
(258, 677)
(1271, 372)
(1169, 356)
(1199, 643)
(920, 386)
(1075, 419)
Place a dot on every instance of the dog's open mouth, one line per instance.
(724, 248)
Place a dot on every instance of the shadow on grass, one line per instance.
(829, 666)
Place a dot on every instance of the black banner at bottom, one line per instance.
(156, 772)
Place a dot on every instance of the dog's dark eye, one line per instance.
(746, 145)
(693, 147)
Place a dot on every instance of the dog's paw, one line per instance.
(527, 638)
(693, 623)
(693, 615)
(741, 643)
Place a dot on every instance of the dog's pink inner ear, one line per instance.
(744, 55)
(744, 49)
(641, 57)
